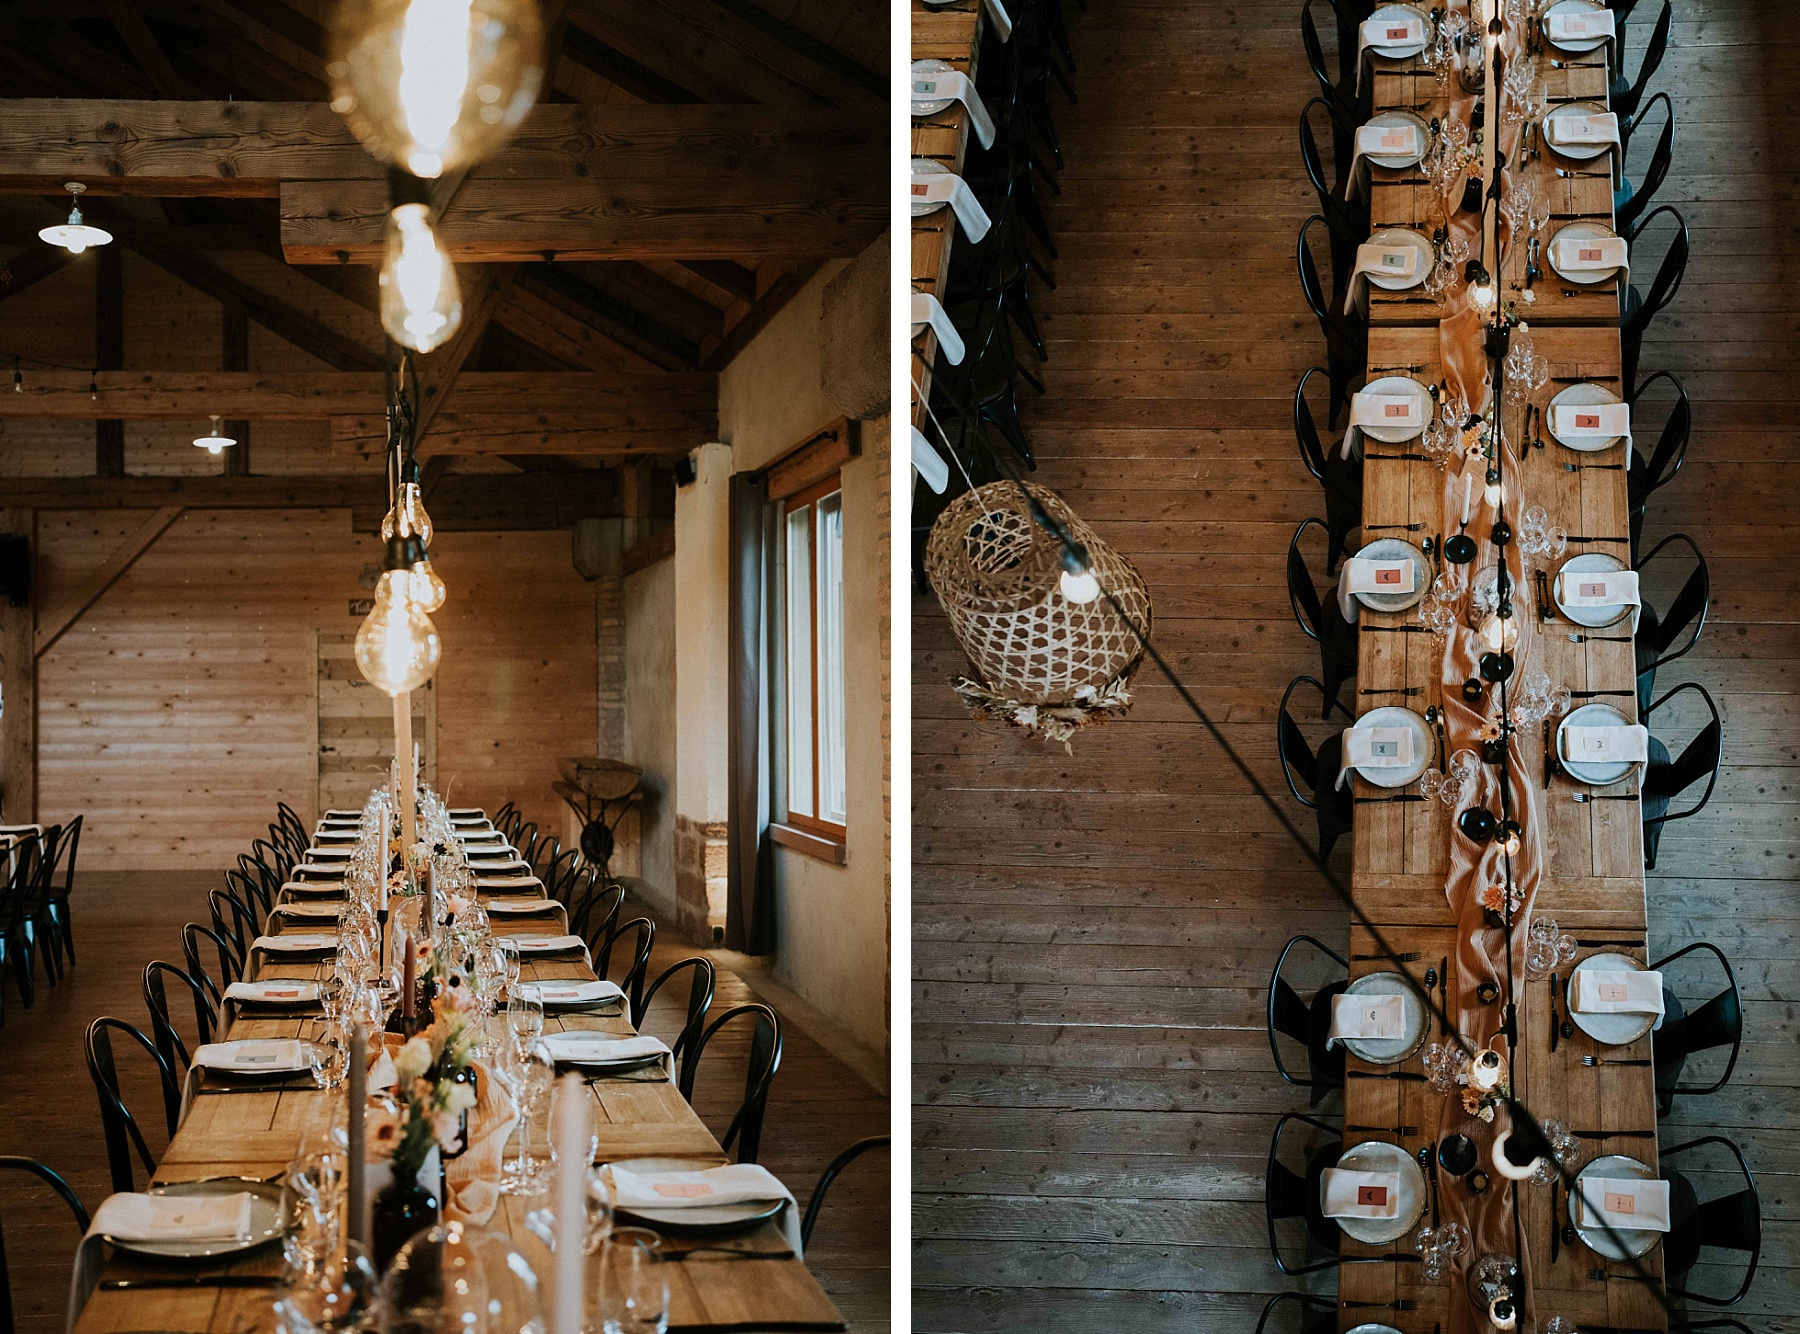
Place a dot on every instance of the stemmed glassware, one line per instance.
(1437, 1247)
(528, 1075)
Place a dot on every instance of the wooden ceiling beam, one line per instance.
(128, 21)
(612, 434)
(780, 289)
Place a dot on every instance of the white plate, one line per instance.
(1395, 715)
(1636, 1241)
(930, 106)
(1584, 44)
(1394, 162)
(1409, 49)
(1394, 548)
(924, 166)
(1595, 775)
(1577, 152)
(1397, 385)
(1398, 236)
(1610, 1030)
(265, 1220)
(1585, 395)
(1389, 1051)
(1374, 1329)
(274, 1070)
(1380, 1156)
(703, 1218)
(1589, 562)
(1582, 231)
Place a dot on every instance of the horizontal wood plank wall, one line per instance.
(1093, 935)
(179, 709)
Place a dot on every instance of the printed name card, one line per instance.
(1387, 261)
(1610, 991)
(1392, 31)
(1591, 419)
(1591, 253)
(1378, 576)
(1388, 140)
(1378, 747)
(1372, 1195)
(682, 1190)
(1618, 1202)
(1578, 25)
(1344, 1193)
(1368, 409)
(1576, 130)
(1368, 1016)
(1605, 745)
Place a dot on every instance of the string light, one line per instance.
(420, 303)
(397, 646)
(1078, 582)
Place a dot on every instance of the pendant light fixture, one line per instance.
(421, 305)
(215, 441)
(397, 646)
(435, 85)
(75, 235)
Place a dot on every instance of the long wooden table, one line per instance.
(255, 1134)
(1592, 881)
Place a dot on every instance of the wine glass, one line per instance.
(529, 1075)
(1537, 215)
(634, 1286)
(329, 1058)
(1540, 958)
(524, 1019)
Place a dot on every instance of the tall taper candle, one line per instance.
(1490, 140)
(356, 1178)
(571, 1135)
(407, 772)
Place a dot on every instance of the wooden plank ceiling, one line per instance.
(690, 165)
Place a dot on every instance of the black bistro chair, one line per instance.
(1649, 475)
(1316, 1315)
(1730, 1222)
(1301, 1238)
(1683, 619)
(1307, 1021)
(61, 930)
(1666, 779)
(1630, 201)
(1341, 478)
(1346, 337)
(699, 1001)
(169, 1042)
(759, 1073)
(1347, 220)
(1712, 1025)
(69, 1197)
(1625, 94)
(1312, 776)
(122, 1131)
(632, 984)
(829, 1175)
(1641, 308)
(1321, 620)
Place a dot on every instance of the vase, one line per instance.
(400, 1208)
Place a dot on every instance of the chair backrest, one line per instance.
(1718, 1022)
(1286, 1196)
(1626, 96)
(700, 998)
(1686, 614)
(1290, 1015)
(543, 856)
(500, 817)
(1626, 215)
(1330, 188)
(229, 919)
(1316, 1315)
(1303, 594)
(1699, 759)
(248, 891)
(228, 963)
(1298, 759)
(525, 844)
(1306, 427)
(281, 859)
(54, 847)
(62, 1188)
(169, 1041)
(595, 913)
(633, 982)
(830, 1174)
(27, 860)
(1315, 56)
(71, 836)
(122, 1132)
(764, 1060)
(1668, 274)
(1728, 1222)
(1671, 446)
(1312, 287)
(561, 873)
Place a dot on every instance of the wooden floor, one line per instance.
(1093, 935)
(123, 921)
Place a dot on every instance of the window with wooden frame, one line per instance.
(813, 651)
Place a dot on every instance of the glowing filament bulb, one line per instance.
(420, 304)
(408, 517)
(434, 76)
(424, 587)
(397, 646)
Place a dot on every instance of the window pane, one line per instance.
(831, 657)
(800, 661)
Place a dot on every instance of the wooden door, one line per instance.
(355, 728)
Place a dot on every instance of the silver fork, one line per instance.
(1569, 175)
(1599, 639)
(1611, 1060)
(1602, 467)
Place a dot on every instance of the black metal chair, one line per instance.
(18, 930)
(1625, 94)
(764, 1060)
(247, 890)
(191, 935)
(526, 842)
(1348, 221)
(1341, 478)
(169, 1041)
(1647, 476)
(829, 1175)
(561, 874)
(632, 984)
(500, 817)
(1666, 779)
(1630, 201)
(1657, 631)
(1727, 1222)
(1316, 771)
(56, 1183)
(122, 1132)
(1346, 338)
(1292, 1196)
(1713, 1024)
(232, 920)
(594, 913)
(1339, 89)
(60, 928)
(1639, 310)
(984, 386)
(1307, 1022)
(1321, 620)
(1317, 1315)
(700, 999)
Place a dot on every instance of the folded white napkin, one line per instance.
(931, 85)
(1379, 576)
(1387, 260)
(943, 187)
(1588, 253)
(1379, 747)
(1599, 421)
(571, 992)
(480, 836)
(320, 871)
(289, 941)
(590, 1048)
(1578, 25)
(280, 990)
(521, 907)
(1392, 31)
(1581, 131)
(251, 1055)
(335, 814)
(1368, 409)
(1641, 1206)
(1367, 1016)
(1606, 745)
(1349, 1194)
(507, 881)
(546, 944)
(1626, 991)
(332, 854)
(467, 813)
(738, 1183)
(1598, 588)
(326, 908)
(175, 1217)
(329, 890)
(1386, 141)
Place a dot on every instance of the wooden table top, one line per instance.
(1592, 881)
(256, 1134)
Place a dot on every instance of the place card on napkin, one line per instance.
(1627, 991)
(133, 1217)
(1598, 588)
(1348, 1194)
(520, 907)
(1588, 253)
(571, 992)
(1382, 1017)
(590, 1048)
(1394, 30)
(1378, 576)
(1606, 745)
(1578, 25)
(1598, 421)
(546, 944)
(1624, 1203)
(328, 909)
(738, 1183)
(1387, 261)
(1378, 747)
(253, 1056)
(1368, 409)
(275, 991)
(945, 187)
(290, 941)
(1582, 131)
(1388, 140)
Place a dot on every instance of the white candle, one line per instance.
(357, 1225)
(1490, 142)
(571, 1135)
(1468, 491)
(404, 796)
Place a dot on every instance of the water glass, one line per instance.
(633, 1289)
(1544, 928)
(1540, 958)
(525, 1020)
(329, 1058)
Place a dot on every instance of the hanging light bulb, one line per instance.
(433, 85)
(397, 646)
(408, 517)
(424, 586)
(1482, 292)
(75, 235)
(1078, 582)
(214, 441)
(420, 303)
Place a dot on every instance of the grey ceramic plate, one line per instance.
(704, 1219)
(1407, 49)
(1581, 396)
(1589, 562)
(1396, 716)
(1581, 45)
(1611, 1030)
(1390, 1051)
(1635, 1242)
(1394, 548)
(1595, 775)
(265, 1220)
(1380, 1156)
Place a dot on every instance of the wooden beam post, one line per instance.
(18, 690)
(109, 352)
(57, 623)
